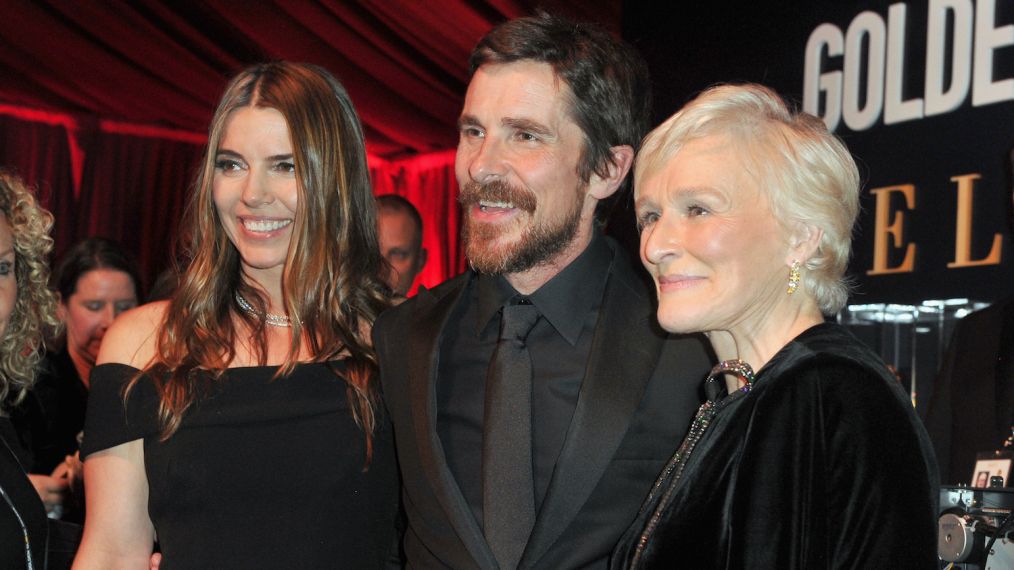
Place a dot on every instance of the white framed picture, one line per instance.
(991, 464)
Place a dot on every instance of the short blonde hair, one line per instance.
(34, 314)
(808, 174)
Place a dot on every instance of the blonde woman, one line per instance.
(27, 314)
(806, 454)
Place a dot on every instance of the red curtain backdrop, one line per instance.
(40, 153)
(133, 183)
(134, 190)
(104, 106)
(428, 182)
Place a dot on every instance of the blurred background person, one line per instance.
(27, 313)
(96, 280)
(400, 232)
(239, 420)
(817, 459)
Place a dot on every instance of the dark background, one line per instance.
(691, 45)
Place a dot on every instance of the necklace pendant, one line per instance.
(269, 318)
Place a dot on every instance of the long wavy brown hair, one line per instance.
(34, 313)
(330, 287)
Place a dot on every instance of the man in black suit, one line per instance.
(551, 119)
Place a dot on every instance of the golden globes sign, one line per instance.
(962, 39)
(921, 91)
(960, 35)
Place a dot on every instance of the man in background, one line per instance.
(399, 230)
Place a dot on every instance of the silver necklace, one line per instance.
(269, 319)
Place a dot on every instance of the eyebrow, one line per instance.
(234, 154)
(527, 125)
(467, 121)
(642, 201)
(9, 251)
(686, 191)
(518, 124)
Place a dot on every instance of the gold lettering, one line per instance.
(883, 229)
(963, 235)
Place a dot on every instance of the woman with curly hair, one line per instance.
(239, 420)
(27, 314)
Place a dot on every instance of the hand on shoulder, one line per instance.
(133, 337)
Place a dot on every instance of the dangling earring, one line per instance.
(793, 277)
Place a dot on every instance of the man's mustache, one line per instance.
(497, 191)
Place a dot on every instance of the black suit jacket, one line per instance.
(639, 394)
(970, 411)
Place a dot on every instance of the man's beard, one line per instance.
(538, 243)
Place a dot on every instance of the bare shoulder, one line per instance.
(132, 339)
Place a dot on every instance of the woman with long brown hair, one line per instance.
(239, 420)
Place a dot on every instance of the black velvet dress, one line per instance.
(261, 474)
(823, 464)
(21, 510)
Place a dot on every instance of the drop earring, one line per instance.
(793, 277)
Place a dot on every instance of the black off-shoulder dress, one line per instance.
(262, 473)
(823, 464)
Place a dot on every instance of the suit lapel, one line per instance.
(623, 356)
(424, 351)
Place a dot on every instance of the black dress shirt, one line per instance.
(559, 345)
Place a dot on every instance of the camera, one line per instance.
(975, 527)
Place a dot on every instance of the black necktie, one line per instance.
(508, 490)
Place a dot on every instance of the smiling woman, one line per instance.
(259, 369)
(255, 190)
(746, 210)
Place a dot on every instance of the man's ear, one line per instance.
(803, 242)
(601, 188)
(423, 256)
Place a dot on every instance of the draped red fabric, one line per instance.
(134, 190)
(39, 152)
(134, 184)
(104, 105)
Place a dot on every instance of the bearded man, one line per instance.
(533, 398)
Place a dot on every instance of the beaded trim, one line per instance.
(705, 415)
(269, 319)
(735, 366)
